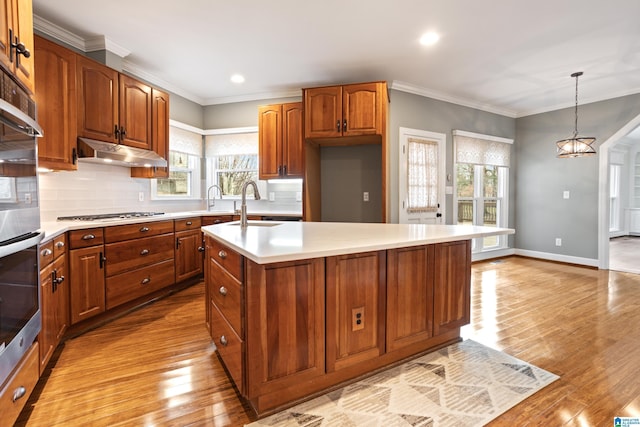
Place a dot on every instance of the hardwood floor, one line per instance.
(156, 367)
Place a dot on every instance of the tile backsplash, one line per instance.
(96, 189)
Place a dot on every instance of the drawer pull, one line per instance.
(46, 252)
(59, 280)
(222, 254)
(88, 237)
(59, 245)
(223, 341)
(223, 291)
(144, 229)
(145, 280)
(217, 221)
(189, 223)
(200, 248)
(144, 252)
(19, 392)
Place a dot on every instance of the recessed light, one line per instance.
(237, 78)
(429, 39)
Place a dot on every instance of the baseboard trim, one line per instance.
(500, 253)
(590, 262)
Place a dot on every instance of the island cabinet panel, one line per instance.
(285, 317)
(355, 286)
(229, 345)
(226, 294)
(409, 296)
(452, 286)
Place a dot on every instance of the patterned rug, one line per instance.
(465, 384)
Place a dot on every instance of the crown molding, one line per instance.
(58, 33)
(135, 70)
(103, 43)
(428, 93)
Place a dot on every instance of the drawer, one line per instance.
(26, 376)
(128, 286)
(59, 245)
(217, 219)
(129, 255)
(229, 346)
(119, 233)
(226, 293)
(229, 259)
(188, 224)
(46, 253)
(86, 238)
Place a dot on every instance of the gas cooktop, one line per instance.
(111, 216)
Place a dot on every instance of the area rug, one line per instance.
(464, 384)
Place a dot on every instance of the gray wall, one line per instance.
(542, 213)
(345, 173)
(417, 112)
(186, 111)
(238, 114)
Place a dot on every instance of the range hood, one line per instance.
(91, 150)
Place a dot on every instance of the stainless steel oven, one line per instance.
(19, 225)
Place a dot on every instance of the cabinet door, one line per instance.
(97, 100)
(452, 286)
(323, 112)
(5, 24)
(135, 113)
(23, 29)
(355, 308)
(57, 108)
(409, 296)
(188, 254)
(54, 302)
(285, 317)
(292, 140)
(87, 286)
(270, 141)
(362, 109)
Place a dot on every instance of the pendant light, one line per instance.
(576, 146)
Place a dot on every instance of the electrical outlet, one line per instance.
(141, 196)
(272, 196)
(566, 194)
(298, 196)
(558, 241)
(365, 196)
(357, 319)
(27, 198)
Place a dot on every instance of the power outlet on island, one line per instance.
(357, 319)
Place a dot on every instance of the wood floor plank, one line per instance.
(156, 366)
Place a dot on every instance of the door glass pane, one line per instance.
(464, 183)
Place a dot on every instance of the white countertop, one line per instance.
(55, 228)
(265, 242)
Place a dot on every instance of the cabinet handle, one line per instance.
(145, 280)
(189, 223)
(144, 229)
(59, 280)
(222, 254)
(45, 252)
(217, 221)
(200, 248)
(223, 291)
(59, 245)
(18, 393)
(116, 132)
(223, 341)
(88, 237)
(103, 259)
(284, 169)
(123, 133)
(144, 252)
(338, 125)
(344, 125)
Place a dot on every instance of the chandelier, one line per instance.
(576, 146)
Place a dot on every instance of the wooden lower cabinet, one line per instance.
(87, 284)
(188, 254)
(288, 330)
(20, 385)
(356, 294)
(54, 303)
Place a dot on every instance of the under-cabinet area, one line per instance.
(288, 328)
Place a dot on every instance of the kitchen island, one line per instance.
(297, 308)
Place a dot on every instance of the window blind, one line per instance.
(184, 141)
(235, 143)
(480, 149)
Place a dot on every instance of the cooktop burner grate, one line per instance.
(121, 215)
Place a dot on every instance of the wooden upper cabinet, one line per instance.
(159, 135)
(97, 100)
(16, 19)
(280, 141)
(57, 108)
(348, 110)
(135, 113)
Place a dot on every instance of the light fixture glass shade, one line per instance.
(576, 146)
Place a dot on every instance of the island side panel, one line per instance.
(452, 287)
(285, 327)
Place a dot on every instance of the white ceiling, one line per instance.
(513, 57)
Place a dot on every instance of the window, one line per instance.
(232, 159)
(482, 178)
(185, 151)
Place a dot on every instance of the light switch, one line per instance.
(365, 196)
(565, 194)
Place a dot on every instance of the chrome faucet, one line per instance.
(212, 202)
(243, 208)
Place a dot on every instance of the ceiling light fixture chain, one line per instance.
(576, 146)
